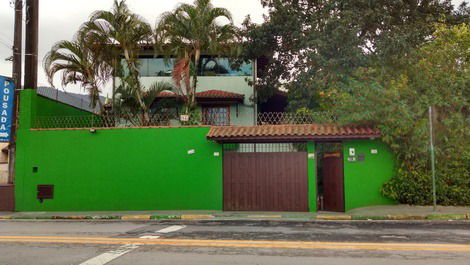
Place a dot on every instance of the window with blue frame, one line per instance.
(209, 66)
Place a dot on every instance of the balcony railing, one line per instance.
(278, 118)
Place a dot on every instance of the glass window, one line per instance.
(160, 67)
(222, 66)
(216, 116)
(210, 66)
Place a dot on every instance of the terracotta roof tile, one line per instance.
(166, 94)
(209, 94)
(300, 131)
(219, 94)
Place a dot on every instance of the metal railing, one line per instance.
(279, 118)
(126, 120)
(108, 121)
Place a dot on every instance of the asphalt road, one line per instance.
(234, 242)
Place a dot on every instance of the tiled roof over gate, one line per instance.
(299, 132)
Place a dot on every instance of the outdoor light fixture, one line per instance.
(92, 130)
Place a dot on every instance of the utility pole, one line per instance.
(431, 142)
(31, 56)
(17, 71)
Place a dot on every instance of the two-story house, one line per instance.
(223, 93)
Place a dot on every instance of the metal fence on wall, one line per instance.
(279, 118)
(123, 120)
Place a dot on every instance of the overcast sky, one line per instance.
(60, 19)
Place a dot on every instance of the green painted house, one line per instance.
(76, 166)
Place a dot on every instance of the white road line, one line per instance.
(150, 237)
(110, 255)
(114, 254)
(170, 229)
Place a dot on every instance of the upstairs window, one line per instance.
(209, 66)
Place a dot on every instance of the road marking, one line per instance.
(240, 243)
(170, 229)
(150, 237)
(110, 255)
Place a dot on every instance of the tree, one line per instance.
(78, 63)
(316, 46)
(127, 103)
(117, 33)
(188, 31)
(397, 103)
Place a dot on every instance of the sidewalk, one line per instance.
(391, 212)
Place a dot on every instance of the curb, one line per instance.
(448, 217)
(334, 217)
(395, 217)
(197, 216)
(406, 217)
(135, 217)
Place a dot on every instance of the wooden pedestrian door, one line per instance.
(333, 182)
(265, 177)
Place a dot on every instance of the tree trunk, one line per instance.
(197, 57)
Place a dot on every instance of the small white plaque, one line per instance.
(192, 151)
(216, 154)
(374, 151)
(352, 151)
(351, 159)
(184, 118)
(311, 156)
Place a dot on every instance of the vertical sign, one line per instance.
(7, 92)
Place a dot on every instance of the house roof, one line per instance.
(208, 95)
(219, 94)
(79, 101)
(166, 94)
(297, 132)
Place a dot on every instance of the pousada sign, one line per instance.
(7, 93)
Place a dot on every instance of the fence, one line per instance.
(171, 119)
(278, 118)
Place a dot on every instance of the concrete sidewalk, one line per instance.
(391, 212)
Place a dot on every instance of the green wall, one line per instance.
(119, 169)
(363, 180)
(312, 177)
(150, 168)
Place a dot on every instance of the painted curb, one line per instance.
(406, 217)
(197, 216)
(447, 217)
(165, 217)
(334, 217)
(135, 217)
(70, 217)
(264, 216)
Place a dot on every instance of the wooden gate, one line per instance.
(333, 182)
(266, 181)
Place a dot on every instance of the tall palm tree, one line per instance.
(78, 63)
(190, 30)
(126, 102)
(117, 33)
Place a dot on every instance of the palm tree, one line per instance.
(117, 33)
(190, 30)
(127, 103)
(78, 63)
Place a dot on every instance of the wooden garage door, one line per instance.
(274, 181)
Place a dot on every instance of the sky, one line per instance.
(60, 19)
